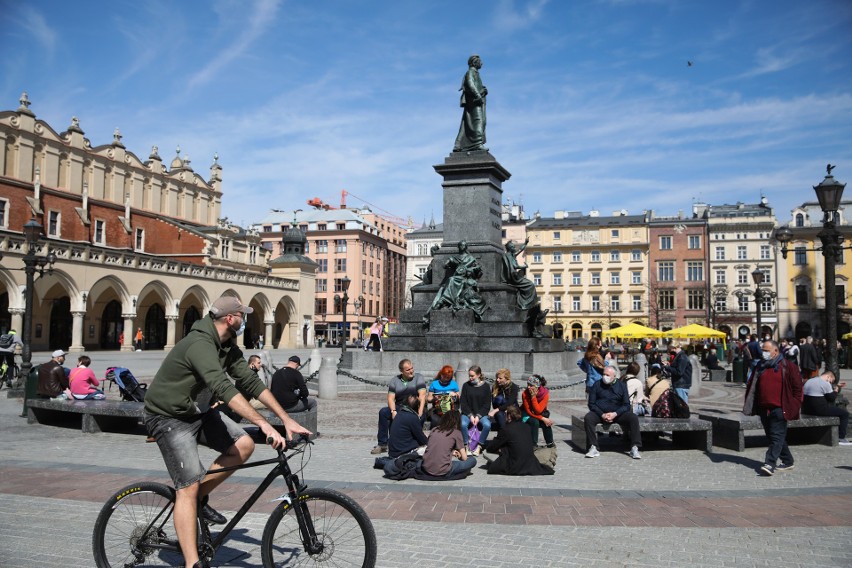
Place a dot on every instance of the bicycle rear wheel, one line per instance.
(343, 530)
(134, 528)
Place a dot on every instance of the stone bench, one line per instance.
(687, 432)
(308, 419)
(729, 430)
(96, 415)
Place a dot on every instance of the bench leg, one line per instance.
(90, 424)
(729, 438)
(94, 423)
(699, 439)
(825, 435)
(578, 437)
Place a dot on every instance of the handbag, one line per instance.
(473, 436)
(680, 409)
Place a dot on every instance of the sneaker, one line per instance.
(477, 451)
(593, 453)
(634, 453)
(844, 442)
(211, 515)
(550, 445)
(767, 469)
(785, 467)
(379, 450)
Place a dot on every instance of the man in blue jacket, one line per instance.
(610, 404)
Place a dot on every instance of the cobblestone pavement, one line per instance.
(674, 507)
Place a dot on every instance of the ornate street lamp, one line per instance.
(344, 283)
(32, 263)
(357, 305)
(760, 294)
(829, 193)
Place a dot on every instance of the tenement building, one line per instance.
(139, 244)
(590, 271)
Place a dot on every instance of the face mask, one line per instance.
(767, 355)
(242, 328)
(608, 380)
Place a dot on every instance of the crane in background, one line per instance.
(318, 203)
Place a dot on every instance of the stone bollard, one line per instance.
(328, 378)
(316, 361)
(695, 389)
(461, 370)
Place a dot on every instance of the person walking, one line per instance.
(139, 338)
(774, 393)
(375, 342)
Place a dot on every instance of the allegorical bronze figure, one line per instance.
(472, 130)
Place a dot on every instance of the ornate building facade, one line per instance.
(139, 244)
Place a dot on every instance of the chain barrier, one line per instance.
(361, 379)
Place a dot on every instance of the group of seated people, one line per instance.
(461, 420)
(57, 381)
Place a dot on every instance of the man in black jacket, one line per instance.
(680, 370)
(406, 430)
(52, 380)
(609, 403)
(289, 388)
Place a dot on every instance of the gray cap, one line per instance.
(228, 305)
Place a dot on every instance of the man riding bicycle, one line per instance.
(174, 419)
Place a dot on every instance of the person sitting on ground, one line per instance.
(443, 394)
(406, 430)
(820, 393)
(289, 388)
(475, 403)
(534, 411)
(609, 404)
(636, 390)
(445, 443)
(399, 387)
(83, 382)
(504, 394)
(52, 380)
(513, 443)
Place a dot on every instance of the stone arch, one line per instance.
(256, 321)
(191, 307)
(54, 295)
(151, 305)
(284, 318)
(576, 330)
(103, 308)
(803, 329)
(16, 297)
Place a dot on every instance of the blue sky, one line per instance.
(591, 103)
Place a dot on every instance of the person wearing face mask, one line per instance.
(609, 403)
(774, 393)
(175, 419)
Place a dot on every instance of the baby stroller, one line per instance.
(128, 386)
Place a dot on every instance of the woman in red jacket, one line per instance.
(535, 413)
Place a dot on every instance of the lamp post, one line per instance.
(829, 193)
(357, 305)
(760, 294)
(344, 283)
(32, 263)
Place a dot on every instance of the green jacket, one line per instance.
(199, 361)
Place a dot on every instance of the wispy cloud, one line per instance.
(36, 28)
(261, 16)
(517, 14)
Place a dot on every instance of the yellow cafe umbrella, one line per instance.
(695, 331)
(632, 331)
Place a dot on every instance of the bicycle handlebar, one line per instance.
(292, 444)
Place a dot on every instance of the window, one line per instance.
(720, 277)
(615, 303)
(340, 265)
(557, 279)
(765, 276)
(721, 303)
(575, 303)
(53, 224)
(596, 303)
(741, 252)
(226, 248)
(364, 266)
(341, 226)
(321, 227)
(320, 306)
(800, 220)
(252, 254)
(720, 253)
(596, 256)
(665, 271)
(99, 232)
(557, 304)
(421, 271)
(596, 278)
(742, 276)
(695, 241)
(840, 290)
(635, 277)
(575, 279)
(695, 299)
(139, 239)
(637, 303)
(338, 284)
(615, 277)
(575, 256)
(743, 303)
(767, 304)
(536, 257)
(307, 247)
(764, 252)
(371, 287)
(666, 299)
(323, 265)
(556, 235)
(4, 207)
(537, 279)
(557, 257)
(340, 245)
(322, 246)
(666, 243)
(802, 295)
(322, 285)
(614, 233)
(614, 256)
(636, 255)
(694, 271)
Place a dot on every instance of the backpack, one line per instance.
(663, 407)
(6, 340)
(128, 386)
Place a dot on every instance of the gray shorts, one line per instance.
(178, 439)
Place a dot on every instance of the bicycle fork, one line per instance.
(307, 531)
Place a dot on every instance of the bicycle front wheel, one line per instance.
(345, 535)
(135, 528)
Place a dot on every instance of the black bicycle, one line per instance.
(308, 527)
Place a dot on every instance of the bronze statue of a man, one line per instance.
(472, 130)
